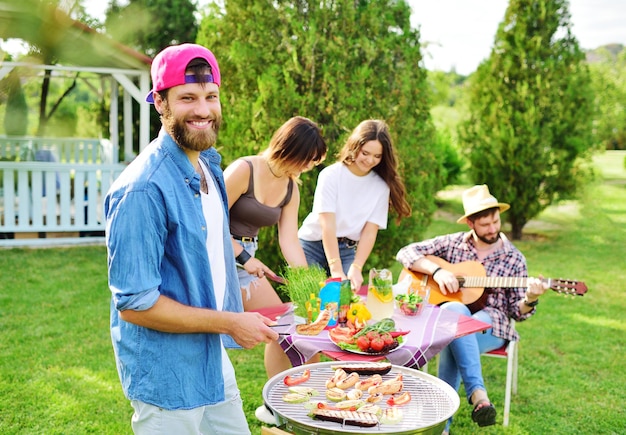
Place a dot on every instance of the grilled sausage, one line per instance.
(348, 382)
(387, 387)
(364, 384)
(337, 376)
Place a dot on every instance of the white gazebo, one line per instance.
(51, 189)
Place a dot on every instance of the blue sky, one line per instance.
(459, 33)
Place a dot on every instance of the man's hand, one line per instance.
(447, 281)
(251, 328)
(536, 287)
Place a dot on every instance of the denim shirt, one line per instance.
(156, 240)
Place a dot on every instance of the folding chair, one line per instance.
(509, 352)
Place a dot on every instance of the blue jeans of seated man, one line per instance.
(314, 253)
(461, 358)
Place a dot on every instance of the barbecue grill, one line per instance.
(433, 402)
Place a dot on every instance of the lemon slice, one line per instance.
(385, 296)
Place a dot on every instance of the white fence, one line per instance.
(57, 199)
(61, 150)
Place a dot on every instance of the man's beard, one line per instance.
(487, 240)
(195, 140)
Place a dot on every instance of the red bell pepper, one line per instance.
(290, 381)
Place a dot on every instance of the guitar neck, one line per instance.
(493, 281)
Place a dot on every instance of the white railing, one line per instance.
(55, 200)
(62, 150)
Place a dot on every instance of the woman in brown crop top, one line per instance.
(263, 191)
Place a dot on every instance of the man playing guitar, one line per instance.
(483, 243)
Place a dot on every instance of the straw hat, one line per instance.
(477, 199)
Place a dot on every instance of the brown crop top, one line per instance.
(247, 215)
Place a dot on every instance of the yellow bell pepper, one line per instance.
(358, 312)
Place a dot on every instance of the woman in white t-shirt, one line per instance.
(351, 203)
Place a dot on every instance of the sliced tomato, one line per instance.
(291, 381)
(400, 399)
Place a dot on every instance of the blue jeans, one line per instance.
(245, 279)
(315, 255)
(461, 358)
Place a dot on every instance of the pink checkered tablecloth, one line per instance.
(431, 331)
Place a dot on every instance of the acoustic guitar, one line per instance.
(473, 280)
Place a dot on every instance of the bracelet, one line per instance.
(332, 261)
(436, 270)
(243, 257)
(358, 266)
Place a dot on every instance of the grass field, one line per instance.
(57, 372)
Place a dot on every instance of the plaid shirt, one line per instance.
(502, 303)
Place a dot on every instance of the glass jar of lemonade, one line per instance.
(380, 294)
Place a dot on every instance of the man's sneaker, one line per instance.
(265, 415)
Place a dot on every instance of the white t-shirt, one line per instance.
(213, 210)
(354, 200)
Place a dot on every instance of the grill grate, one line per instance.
(433, 401)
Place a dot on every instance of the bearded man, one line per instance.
(176, 301)
(486, 244)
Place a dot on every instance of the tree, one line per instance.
(608, 72)
(338, 63)
(47, 26)
(156, 24)
(151, 25)
(16, 116)
(446, 87)
(530, 107)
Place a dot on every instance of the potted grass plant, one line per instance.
(303, 283)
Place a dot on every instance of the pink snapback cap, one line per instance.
(168, 67)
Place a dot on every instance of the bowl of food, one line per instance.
(412, 304)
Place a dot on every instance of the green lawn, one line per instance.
(57, 373)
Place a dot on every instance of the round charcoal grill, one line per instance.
(433, 402)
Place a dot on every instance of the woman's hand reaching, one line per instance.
(356, 278)
(255, 267)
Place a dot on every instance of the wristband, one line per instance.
(243, 257)
(436, 270)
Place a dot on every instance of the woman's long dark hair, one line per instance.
(375, 129)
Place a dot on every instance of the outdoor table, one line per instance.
(431, 331)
